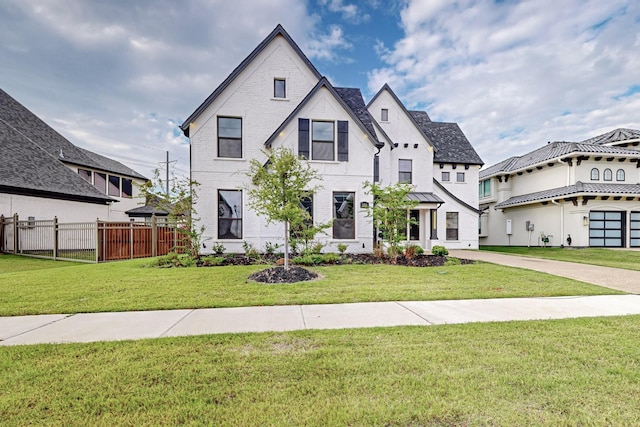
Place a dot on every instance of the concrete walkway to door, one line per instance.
(613, 278)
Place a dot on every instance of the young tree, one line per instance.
(390, 212)
(278, 189)
(178, 203)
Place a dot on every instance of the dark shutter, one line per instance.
(376, 168)
(343, 141)
(303, 138)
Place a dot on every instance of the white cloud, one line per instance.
(350, 12)
(517, 74)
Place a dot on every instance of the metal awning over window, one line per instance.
(425, 198)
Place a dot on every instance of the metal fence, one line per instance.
(95, 241)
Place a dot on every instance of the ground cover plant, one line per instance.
(129, 285)
(626, 259)
(540, 373)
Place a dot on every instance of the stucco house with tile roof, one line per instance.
(42, 174)
(584, 194)
(277, 98)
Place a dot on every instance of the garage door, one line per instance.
(606, 229)
(634, 230)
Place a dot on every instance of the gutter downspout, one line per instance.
(555, 202)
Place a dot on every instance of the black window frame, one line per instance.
(414, 226)
(458, 175)
(113, 188)
(405, 176)
(452, 232)
(276, 92)
(316, 142)
(384, 115)
(226, 218)
(126, 187)
(447, 175)
(344, 220)
(228, 139)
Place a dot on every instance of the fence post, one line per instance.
(55, 237)
(15, 234)
(97, 246)
(130, 240)
(154, 236)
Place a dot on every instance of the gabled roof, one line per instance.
(353, 98)
(402, 107)
(324, 83)
(614, 137)
(27, 169)
(278, 31)
(578, 189)
(452, 146)
(44, 136)
(454, 197)
(554, 151)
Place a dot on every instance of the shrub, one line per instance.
(173, 259)
(218, 248)
(330, 258)
(452, 261)
(309, 259)
(411, 251)
(250, 251)
(270, 248)
(342, 248)
(439, 250)
(212, 260)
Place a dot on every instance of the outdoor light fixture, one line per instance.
(364, 205)
(585, 220)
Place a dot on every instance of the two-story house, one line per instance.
(565, 193)
(42, 174)
(277, 98)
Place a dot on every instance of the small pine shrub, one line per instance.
(218, 248)
(330, 258)
(250, 251)
(439, 250)
(452, 261)
(309, 259)
(270, 248)
(211, 260)
(342, 248)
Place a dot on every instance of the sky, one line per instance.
(118, 77)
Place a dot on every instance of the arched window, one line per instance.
(607, 175)
(595, 174)
(620, 175)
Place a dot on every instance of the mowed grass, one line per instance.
(629, 260)
(129, 285)
(541, 373)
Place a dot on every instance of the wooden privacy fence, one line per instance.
(95, 241)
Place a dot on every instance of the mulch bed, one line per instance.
(300, 274)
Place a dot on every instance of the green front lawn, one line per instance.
(128, 285)
(617, 258)
(542, 373)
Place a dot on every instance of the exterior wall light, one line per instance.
(585, 220)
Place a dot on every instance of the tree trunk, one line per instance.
(286, 245)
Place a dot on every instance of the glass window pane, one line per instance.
(487, 187)
(85, 174)
(279, 88)
(114, 185)
(322, 131)
(404, 165)
(460, 176)
(127, 187)
(613, 215)
(596, 233)
(384, 115)
(229, 127)
(596, 242)
(620, 175)
(445, 176)
(595, 174)
(229, 148)
(343, 214)
(101, 182)
(607, 175)
(596, 215)
(613, 233)
(229, 214)
(635, 216)
(405, 177)
(322, 151)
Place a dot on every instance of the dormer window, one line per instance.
(384, 115)
(279, 88)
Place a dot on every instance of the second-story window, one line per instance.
(620, 175)
(607, 175)
(114, 185)
(460, 177)
(384, 115)
(445, 177)
(322, 141)
(279, 88)
(595, 174)
(230, 137)
(404, 171)
(485, 188)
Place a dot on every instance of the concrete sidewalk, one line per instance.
(155, 324)
(613, 278)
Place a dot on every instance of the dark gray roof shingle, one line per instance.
(615, 136)
(554, 151)
(579, 188)
(452, 146)
(353, 98)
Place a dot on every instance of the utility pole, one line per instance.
(167, 174)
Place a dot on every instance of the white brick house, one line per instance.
(587, 191)
(277, 98)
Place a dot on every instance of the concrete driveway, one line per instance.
(613, 278)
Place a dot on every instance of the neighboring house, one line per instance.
(565, 193)
(277, 98)
(43, 175)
